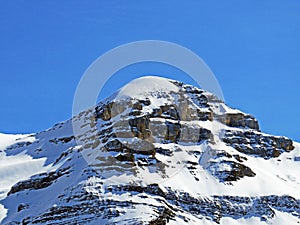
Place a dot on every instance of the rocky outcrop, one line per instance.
(204, 115)
(228, 171)
(239, 120)
(22, 207)
(173, 132)
(215, 207)
(225, 167)
(257, 144)
(140, 127)
(38, 181)
(19, 145)
(111, 109)
(167, 112)
(63, 139)
(127, 157)
(165, 215)
(141, 147)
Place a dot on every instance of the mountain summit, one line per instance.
(158, 151)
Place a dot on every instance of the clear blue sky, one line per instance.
(253, 48)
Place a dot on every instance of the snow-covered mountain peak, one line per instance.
(156, 152)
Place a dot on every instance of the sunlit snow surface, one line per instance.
(17, 167)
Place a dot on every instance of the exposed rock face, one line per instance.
(38, 182)
(226, 167)
(173, 132)
(110, 110)
(233, 172)
(144, 148)
(163, 122)
(257, 144)
(241, 120)
(204, 116)
(171, 155)
(140, 127)
(64, 140)
(213, 208)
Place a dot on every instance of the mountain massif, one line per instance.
(156, 152)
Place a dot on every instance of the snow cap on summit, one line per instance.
(147, 84)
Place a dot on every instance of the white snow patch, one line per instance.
(148, 84)
(7, 140)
